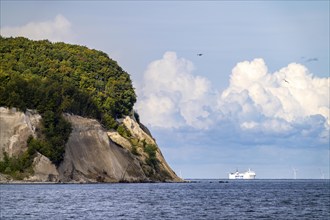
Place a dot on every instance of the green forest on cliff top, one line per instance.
(62, 77)
(54, 78)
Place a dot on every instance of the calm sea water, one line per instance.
(204, 199)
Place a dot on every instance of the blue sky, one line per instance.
(258, 97)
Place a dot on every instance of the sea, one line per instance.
(197, 199)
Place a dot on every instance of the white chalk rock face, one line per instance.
(90, 156)
(44, 170)
(15, 128)
(136, 130)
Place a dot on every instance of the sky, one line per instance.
(257, 98)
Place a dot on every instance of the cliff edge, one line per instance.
(92, 153)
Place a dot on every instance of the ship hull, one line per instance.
(248, 175)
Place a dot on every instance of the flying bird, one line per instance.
(199, 54)
(286, 81)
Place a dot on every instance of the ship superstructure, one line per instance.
(246, 175)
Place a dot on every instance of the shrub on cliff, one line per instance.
(18, 167)
(151, 160)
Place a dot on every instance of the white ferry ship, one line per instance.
(246, 175)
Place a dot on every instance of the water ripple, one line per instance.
(264, 199)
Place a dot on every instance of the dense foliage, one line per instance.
(18, 167)
(151, 152)
(70, 78)
(56, 77)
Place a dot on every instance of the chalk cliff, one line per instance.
(15, 128)
(92, 154)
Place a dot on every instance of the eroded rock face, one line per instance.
(90, 156)
(120, 140)
(138, 131)
(44, 170)
(15, 128)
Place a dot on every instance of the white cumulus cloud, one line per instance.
(173, 97)
(276, 101)
(55, 30)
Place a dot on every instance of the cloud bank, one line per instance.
(290, 102)
(55, 30)
(282, 102)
